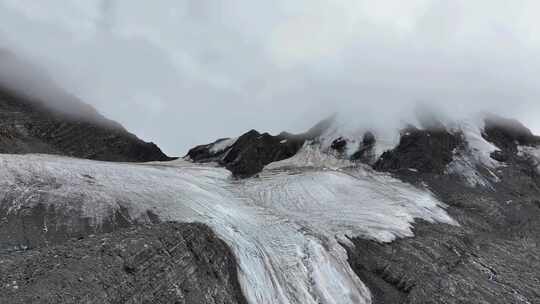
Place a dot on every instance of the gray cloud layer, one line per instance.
(184, 72)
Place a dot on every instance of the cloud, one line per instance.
(186, 72)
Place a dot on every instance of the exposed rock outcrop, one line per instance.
(164, 263)
(427, 151)
(366, 151)
(30, 126)
(45, 224)
(507, 134)
(252, 151)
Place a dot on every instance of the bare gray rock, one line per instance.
(253, 150)
(31, 126)
(163, 263)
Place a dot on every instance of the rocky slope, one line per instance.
(38, 117)
(247, 155)
(163, 263)
(31, 127)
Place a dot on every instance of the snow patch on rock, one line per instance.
(385, 139)
(466, 167)
(222, 145)
(311, 156)
(479, 148)
(476, 155)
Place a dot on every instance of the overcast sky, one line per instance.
(185, 72)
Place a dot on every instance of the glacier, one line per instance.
(287, 227)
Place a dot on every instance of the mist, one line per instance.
(185, 72)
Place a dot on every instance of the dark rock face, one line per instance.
(205, 154)
(29, 126)
(489, 259)
(44, 225)
(253, 150)
(507, 134)
(441, 265)
(164, 263)
(339, 144)
(366, 153)
(250, 152)
(499, 156)
(428, 151)
(368, 139)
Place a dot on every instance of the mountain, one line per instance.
(486, 174)
(248, 154)
(38, 117)
(439, 212)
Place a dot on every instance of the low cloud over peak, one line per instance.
(186, 72)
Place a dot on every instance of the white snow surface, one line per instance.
(284, 228)
(222, 145)
(466, 163)
(477, 154)
(480, 148)
(386, 138)
(465, 166)
(311, 156)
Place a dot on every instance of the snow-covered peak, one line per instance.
(353, 134)
(479, 148)
(312, 155)
(467, 148)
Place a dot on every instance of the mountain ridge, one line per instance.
(488, 174)
(31, 127)
(445, 213)
(39, 117)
